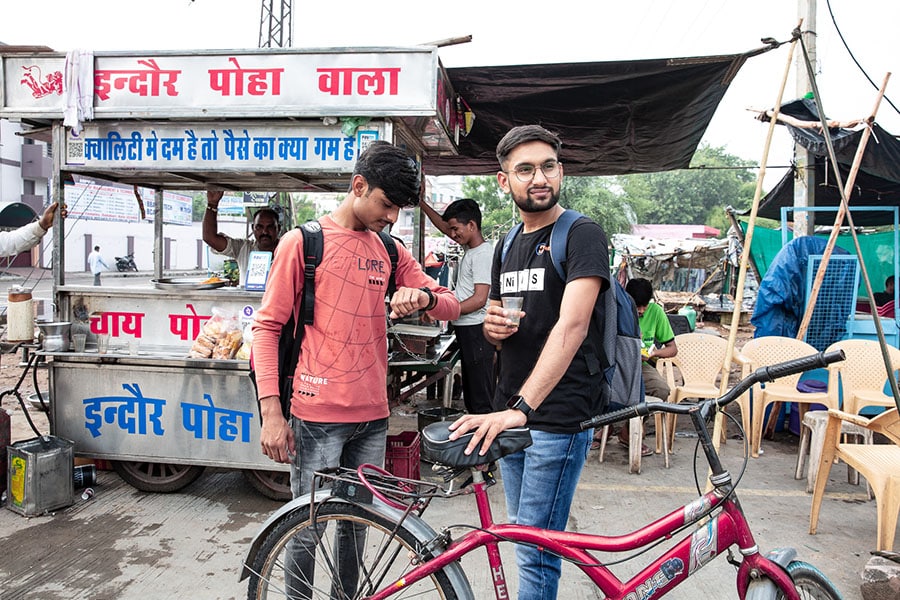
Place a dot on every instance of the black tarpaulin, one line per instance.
(877, 183)
(613, 117)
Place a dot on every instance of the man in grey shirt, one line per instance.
(461, 222)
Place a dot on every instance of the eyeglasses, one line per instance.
(525, 173)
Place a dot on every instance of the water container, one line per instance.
(689, 312)
(20, 315)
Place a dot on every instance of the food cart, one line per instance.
(248, 120)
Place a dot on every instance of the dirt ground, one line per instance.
(11, 371)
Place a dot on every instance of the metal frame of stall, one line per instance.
(240, 120)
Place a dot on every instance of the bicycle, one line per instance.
(397, 555)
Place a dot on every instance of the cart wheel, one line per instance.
(160, 478)
(271, 484)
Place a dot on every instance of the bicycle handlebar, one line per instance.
(760, 375)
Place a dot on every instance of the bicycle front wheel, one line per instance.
(811, 583)
(349, 553)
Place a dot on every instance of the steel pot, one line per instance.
(54, 335)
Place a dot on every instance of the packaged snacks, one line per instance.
(220, 337)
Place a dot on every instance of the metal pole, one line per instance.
(805, 184)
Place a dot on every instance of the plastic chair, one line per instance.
(699, 360)
(769, 350)
(878, 463)
(862, 377)
(636, 439)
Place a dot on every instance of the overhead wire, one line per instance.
(853, 57)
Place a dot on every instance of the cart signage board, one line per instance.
(158, 413)
(210, 146)
(237, 83)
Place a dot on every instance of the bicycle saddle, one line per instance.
(437, 448)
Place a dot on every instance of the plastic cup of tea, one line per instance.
(103, 343)
(513, 306)
(78, 340)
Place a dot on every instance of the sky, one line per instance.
(529, 32)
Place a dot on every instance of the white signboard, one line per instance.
(95, 202)
(247, 145)
(273, 84)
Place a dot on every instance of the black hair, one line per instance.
(269, 211)
(523, 134)
(390, 169)
(641, 290)
(465, 211)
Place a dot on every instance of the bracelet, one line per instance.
(212, 208)
(432, 301)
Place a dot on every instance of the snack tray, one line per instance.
(186, 283)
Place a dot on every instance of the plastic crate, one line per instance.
(402, 455)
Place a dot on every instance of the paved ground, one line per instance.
(126, 544)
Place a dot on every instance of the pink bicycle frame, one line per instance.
(705, 543)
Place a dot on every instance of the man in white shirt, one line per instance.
(97, 264)
(461, 222)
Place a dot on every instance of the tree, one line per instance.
(697, 195)
(594, 197)
(498, 214)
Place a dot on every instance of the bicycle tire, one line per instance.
(385, 556)
(810, 582)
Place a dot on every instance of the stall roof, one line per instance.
(877, 182)
(613, 118)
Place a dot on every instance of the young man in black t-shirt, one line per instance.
(548, 378)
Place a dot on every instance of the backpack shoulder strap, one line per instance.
(312, 256)
(559, 237)
(391, 246)
(507, 242)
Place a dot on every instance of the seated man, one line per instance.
(658, 338)
(882, 298)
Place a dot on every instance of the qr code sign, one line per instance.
(75, 152)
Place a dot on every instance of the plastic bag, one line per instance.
(220, 337)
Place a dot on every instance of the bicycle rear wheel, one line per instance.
(350, 549)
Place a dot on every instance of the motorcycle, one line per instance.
(126, 263)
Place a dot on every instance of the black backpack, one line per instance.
(291, 335)
(621, 338)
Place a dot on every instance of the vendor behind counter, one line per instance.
(266, 233)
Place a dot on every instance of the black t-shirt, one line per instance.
(528, 272)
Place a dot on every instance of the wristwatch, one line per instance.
(432, 301)
(518, 403)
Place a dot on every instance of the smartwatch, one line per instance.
(518, 403)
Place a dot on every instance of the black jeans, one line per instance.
(477, 358)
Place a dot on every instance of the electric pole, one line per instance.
(805, 182)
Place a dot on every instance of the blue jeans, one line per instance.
(321, 446)
(539, 483)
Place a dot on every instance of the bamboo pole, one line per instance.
(748, 240)
(841, 214)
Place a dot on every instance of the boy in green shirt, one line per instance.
(658, 338)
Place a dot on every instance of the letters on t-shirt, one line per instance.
(526, 280)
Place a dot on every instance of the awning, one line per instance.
(877, 182)
(613, 117)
